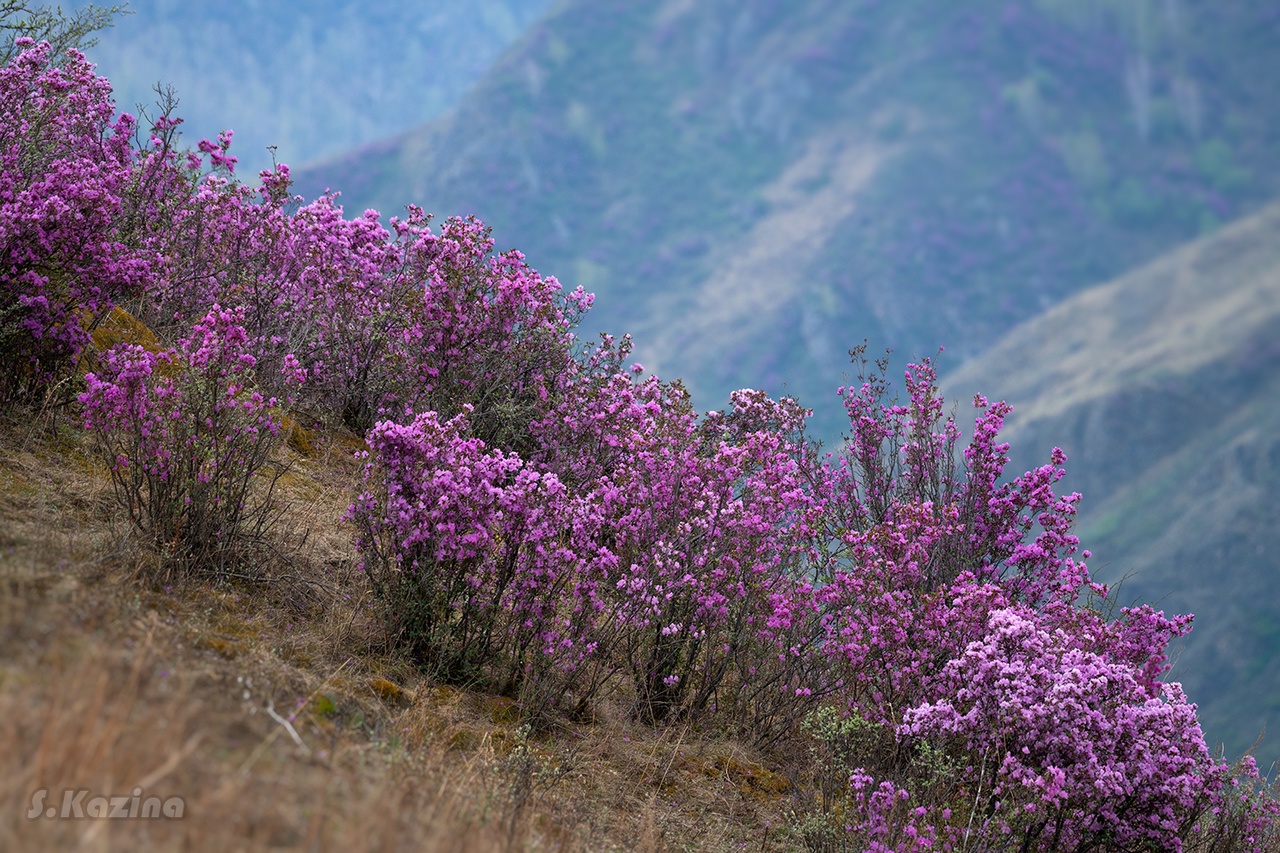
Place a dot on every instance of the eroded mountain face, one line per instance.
(753, 187)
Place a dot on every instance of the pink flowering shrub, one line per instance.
(219, 241)
(386, 323)
(922, 550)
(1245, 814)
(884, 819)
(218, 244)
(379, 322)
(958, 617)
(716, 567)
(328, 299)
(65, 166)
(1077, 750)
(698, 538)
(662, 564)
(314, 286)
(695, 535)
(480, 329)
(187, 435)
(462, 543)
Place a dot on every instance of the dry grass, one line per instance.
(273, 706)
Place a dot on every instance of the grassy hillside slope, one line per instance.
(273, 706)
(197, 625)
(1163, 388)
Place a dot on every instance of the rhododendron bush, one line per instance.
(464, 542)
(660, 556)
(184, 432)
(66, 162)
(1070, 735)
(550, 520)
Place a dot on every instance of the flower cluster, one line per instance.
(659, 546)
(1071, 736)
(185, 432)
(464, 543)
(65, 164)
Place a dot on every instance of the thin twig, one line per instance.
(274, 733)
(293, 733)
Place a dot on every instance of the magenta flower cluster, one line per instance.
(183, 432)
(548, 518)
(1072, 736)
(66, 163)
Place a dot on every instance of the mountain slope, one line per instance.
(1163, 388)
(752, 187)
(312, 79)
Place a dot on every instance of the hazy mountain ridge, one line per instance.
(918, 174)
(313, 79)
(1163, 387)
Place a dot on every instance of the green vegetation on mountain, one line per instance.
(753, 187)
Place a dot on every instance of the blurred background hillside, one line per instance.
(1071, 196)
(312, 79)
